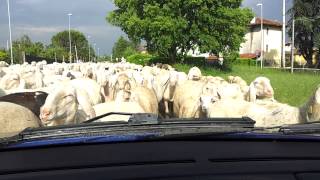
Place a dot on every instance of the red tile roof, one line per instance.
(248, 56)
(267, 22)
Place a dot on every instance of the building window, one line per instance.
(267, 31)
(267, 48)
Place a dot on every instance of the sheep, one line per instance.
(3, 64)
(63, 106)
(194, 74)
(67, 103)
(12, 81)
(238, 80)
(15, 118)
(31, 100)
(116, 106)
(260, 88)
(268, 114)
(186, 99)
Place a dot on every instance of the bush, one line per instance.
(142, 59)
(245, 61)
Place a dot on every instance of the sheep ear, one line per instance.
(84, 101)
(252, 93)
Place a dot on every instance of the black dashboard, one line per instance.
(172, 159)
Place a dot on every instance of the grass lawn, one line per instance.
(294, 89)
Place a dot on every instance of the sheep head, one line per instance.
(194, 74)
(314, 106)
(10, 81)
(60, 107)
(260, 88)
(209, 96)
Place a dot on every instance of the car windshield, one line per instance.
(73, 62)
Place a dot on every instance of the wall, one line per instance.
(272, 38)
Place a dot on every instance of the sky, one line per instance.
(41, 19)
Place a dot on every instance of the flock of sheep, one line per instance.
(41, 94)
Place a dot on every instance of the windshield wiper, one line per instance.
(135, 118)
(142, 125)
(308, 128)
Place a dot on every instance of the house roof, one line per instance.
(257, 21)
(248, 56)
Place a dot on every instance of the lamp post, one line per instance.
(292, 46)
(94, 50)
(9, 17)
(262, 36)
(283, 54)
(89, 48)
(70, 53)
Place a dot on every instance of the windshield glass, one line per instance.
(67, 62)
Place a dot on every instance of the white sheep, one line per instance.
(194, 74)
(15, 118)
(65, 103)
(268, 114)
(260, 88)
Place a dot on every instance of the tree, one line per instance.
(307, 27)
(78, 39)
(25, 45)
(169, 27)
(4, 56)
(123, 48)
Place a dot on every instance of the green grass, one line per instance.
(294, 89)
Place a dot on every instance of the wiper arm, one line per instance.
(135, 118)
(139, 125)
(308, 128)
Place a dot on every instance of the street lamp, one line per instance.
(283, 54)
(98, 53)
(89, 47)
(9, 17)
(70, 53)
(262, 34)
(94, 50)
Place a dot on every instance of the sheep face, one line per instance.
(314, 109)
(206, 101)
(10, 81)
(262, 87)
(194, 74)
(60, 105)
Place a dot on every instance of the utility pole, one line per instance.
(70, 52)
(94, 50)
(9, 17)
(55, 56)
(8, 46)
(75, 48)
(283, 53)
(262, 37)
(89, 48)
(292, 45)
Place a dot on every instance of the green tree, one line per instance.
(123, 48)
(78, 39)
(169, 27)
(4, 55)
(25, 45)
(307, 27)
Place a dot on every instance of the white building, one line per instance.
(272, 31)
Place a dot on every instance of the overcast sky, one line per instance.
(40, 19)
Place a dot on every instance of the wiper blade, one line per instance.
(308, 128)
(135, 127)
(135, 118)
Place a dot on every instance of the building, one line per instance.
(272, 31)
